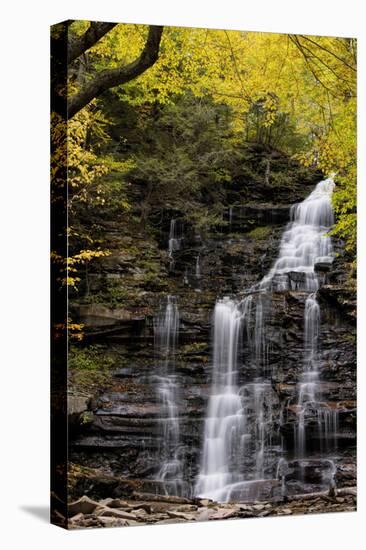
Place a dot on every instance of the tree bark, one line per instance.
(94, 33)
(114, 77)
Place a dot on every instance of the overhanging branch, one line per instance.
(94, 33)
(114, 77)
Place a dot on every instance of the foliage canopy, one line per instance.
(176, 128)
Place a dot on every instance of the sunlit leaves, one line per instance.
(296, 93)
(68, 266)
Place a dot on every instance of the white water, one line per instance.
(225, 423)
(166, 331)
(309, 384)
(310, 395)
(198, 267)
(174, 238)
(305, 242)
(241, 417)
(281, 472)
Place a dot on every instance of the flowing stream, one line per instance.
(239, 449)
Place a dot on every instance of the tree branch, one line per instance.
(328, 67)
(94, 33)
(114, 77)
(294, 39)
(328, 51)
(236, 68)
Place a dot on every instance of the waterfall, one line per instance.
(225, 423)
(198, 267)
(267, 172)
(304, 243)
(166, 328)
(174, 238)
(281, 472)
(166, 331)
(238, 450)
(238, 418)
(309, 384)
(309, 400)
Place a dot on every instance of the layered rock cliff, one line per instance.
(116, 427)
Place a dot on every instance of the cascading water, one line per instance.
(310, 397)
(238, 418)
(309, 384)
(198, 267)
(166, 331)
(282, 471)
(174, 240)
(304, 243)
(237, 445)
(225, 428)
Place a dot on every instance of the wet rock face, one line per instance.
(123, 436)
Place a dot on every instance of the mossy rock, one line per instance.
(260, 233)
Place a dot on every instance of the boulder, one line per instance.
(223, 513)
(77, 404)
(83, 505)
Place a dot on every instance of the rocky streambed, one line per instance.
(115, 512)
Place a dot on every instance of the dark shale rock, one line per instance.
(123, 438)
